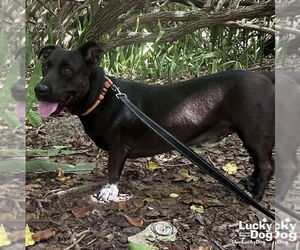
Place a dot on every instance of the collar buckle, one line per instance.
(119, 94)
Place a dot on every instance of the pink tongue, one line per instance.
(47, 108)
(20, 109)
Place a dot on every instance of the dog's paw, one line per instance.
(109, 192)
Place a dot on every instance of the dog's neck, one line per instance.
(97, 80)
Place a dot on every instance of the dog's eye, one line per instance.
(66, 71)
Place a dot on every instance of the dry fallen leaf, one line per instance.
(29, 241)
(69, 180)
(123, 205)
(4, 240)
(43, 235)
(16, 236)
(198, 209)
(210, 202)
(80, 212)
(109, 237)
(178, 177)
(230, 168)
(137, 222)
(195, 247)
(173, 195)
(186, 176)
(193, 200)
(152, 165)
(39, 224)
(60, 173)
(138, 203)
(152, 213)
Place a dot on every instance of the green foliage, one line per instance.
(35, 78)
(28, 50)
(138, 246)
(202, 52)
(10, 118)
(31, 115)
(11, 76)
(34, 118)
(3, 49)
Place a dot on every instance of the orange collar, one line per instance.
(108, 83)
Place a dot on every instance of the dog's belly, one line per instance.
(212, 135)
(149, 144)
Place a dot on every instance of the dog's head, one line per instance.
(66, 76)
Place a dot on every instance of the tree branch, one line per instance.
(250, 26)
(108, 15)
(203, 20)
(182, 16)
(200, 3)
(287, 30)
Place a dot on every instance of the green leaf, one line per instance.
(214, 66)
(161, 31)
(238, 65)
(28, 50)
(46, 166)
(35, 78)
(3, 48)
(10, 118)
(214, 35)
(149, 199)
(5, 94)
(52, 152)
(191, 4)
(49, 33)
(60, 147)
(138, 246)
(209, 55)
(227, 63)
(34, 118)
(197, 209)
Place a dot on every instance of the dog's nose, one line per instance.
(18, 88)
(41, 90)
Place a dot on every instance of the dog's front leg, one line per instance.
(116, 160)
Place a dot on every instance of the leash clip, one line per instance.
(119, 94)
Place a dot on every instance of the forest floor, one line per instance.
(163, 188)
(65, 204)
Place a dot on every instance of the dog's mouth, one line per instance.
(46, 108)
(20, 109)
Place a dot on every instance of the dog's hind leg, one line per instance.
(286, 172)
(266, 170)
(260, 148)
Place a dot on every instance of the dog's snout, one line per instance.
(41, 90)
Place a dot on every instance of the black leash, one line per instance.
(287, 210)
(189, 153)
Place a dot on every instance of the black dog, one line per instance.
(201, 110)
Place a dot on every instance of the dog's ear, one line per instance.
(47, 50)
(91, 52)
